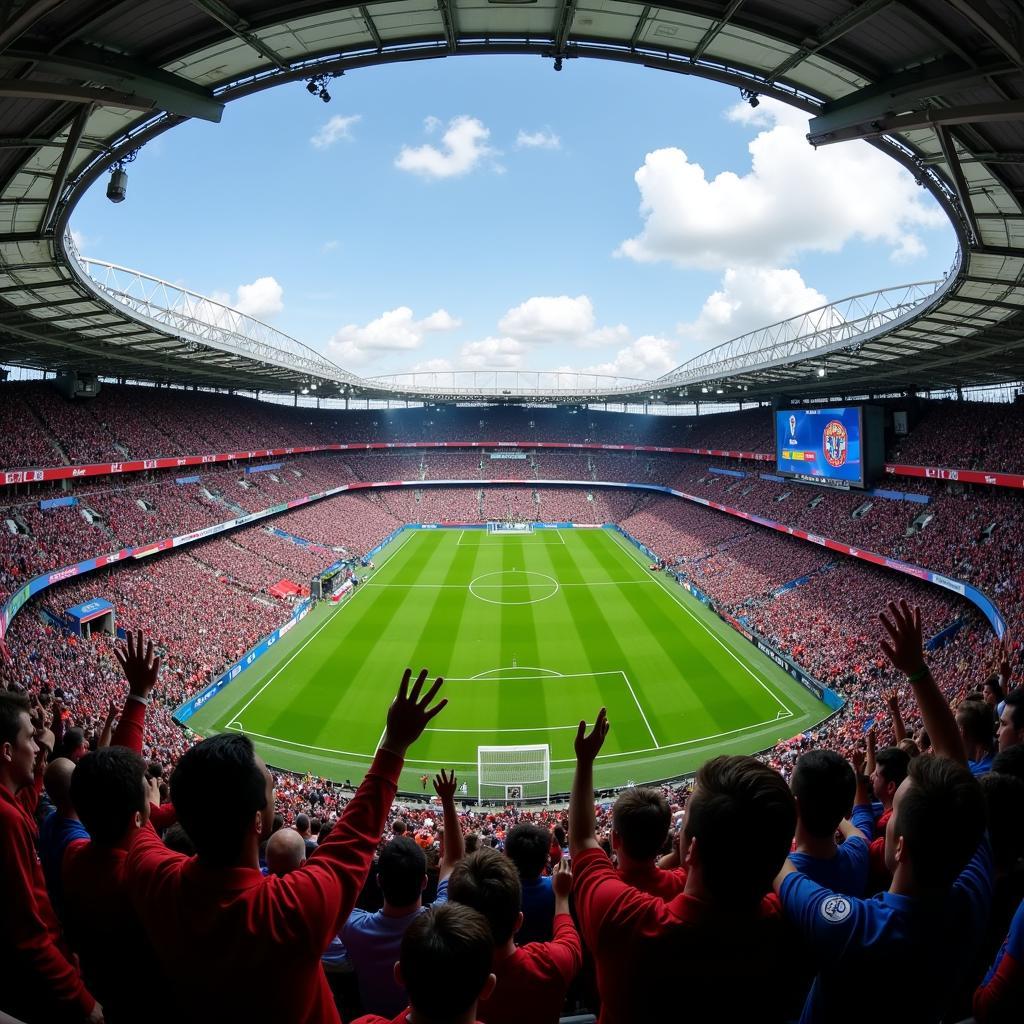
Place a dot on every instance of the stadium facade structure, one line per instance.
(939, 87)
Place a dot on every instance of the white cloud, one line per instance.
(463, 148)
(80, 240)
(544, 139)
(549, 318)
(438, 365)
(330, 245)
(338, 128)
(647, 357)
(792, 200)
(492, 354)
(431, 123)
(261, 299)
(397, 330)
(748, 298)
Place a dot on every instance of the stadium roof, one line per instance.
(936, 84)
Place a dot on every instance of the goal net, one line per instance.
(513, 774)
(494, 527)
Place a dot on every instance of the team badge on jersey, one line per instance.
(835, 908)
(834, 443)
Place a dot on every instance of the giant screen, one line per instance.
(820, 443)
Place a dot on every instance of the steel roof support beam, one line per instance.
(956, 171)
(28, 17)
(75, 133)
(563, 24)
(451, 29)
(30, 142)
(986, 21)
(713, 30)
(169, 92)
(239, 28)
(371, 28)
(28, 89)
(825, 130)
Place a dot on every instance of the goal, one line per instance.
(496, 527)
(513, 774)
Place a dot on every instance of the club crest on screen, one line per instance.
(834, 443)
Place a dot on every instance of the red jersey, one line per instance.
(654, 881)
(245, 946)
(533, 981)
(665, 960)
(38, 978)
(372, 1018)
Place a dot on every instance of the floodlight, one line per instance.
(311, 87)
(558, 63)
(325, 95)
(117, 187)
(821, 371)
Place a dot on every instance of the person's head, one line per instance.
(108, 790)
(402, 872)
(302, 824)
(488, 882)
(286, 851)
(992, 691)
(224, 797)
(1004, 800)
(445, 963)
(938, 818)
(472, 842)
(740, 820)
(1011, 721)
(559, 833)
(923, 740)
(176, 839)
(399, 828)
(890, 770)
(528, 847)
(909, 747)
(73, 745)
(1010, 761)
(824, 786)
(640, 823)
(57, 782)
(18, 747)
(977, 722)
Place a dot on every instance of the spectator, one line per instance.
(59, 830)
(41, 983)
(372, 941)
(534, 977)
(1010, 761)
(1000, 997)
(977, 722)
(209, 914)
(445, 966)
(941, 864)
(527, 846)
(640, 824)
(1011, 721)
(286, 852)
(302, 826)
(890, 770)
(722, 941)
(824, 786)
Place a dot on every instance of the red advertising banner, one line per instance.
(964, 476)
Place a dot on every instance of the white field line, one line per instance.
(298, 650)
(639, 708)
(499, 586)
(667, 587)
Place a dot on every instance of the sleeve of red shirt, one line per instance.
(1000, 997)
(162, 816)
(325, 889)
(603, 900)
(130, 726)
(560, 958)
(28, 796)
(39, 958)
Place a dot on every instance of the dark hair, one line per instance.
(892, 763)
(217, 789)
(528, 847)
(1010, 761)
(743, 816)
(977, 722)
(176, 839)
(107, 789)
(488, 881)
(824, 786)
(301, 822)
(72, 740)
(941, 819)
(993, 683)
(399, 828)
(401, 868)
(1004, 802)
(1015, 702)
(446, 959)
(641, 817)
(559, 834)
(11, 707)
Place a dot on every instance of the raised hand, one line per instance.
(588, 747)
(892, 700)
(140, 667)
(408, 715)
(445, 784)
(857, 759)
(906, 651)
(561, 879)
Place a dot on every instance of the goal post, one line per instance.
(505, 527)
(513, 774)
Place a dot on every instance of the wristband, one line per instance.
(916, 677)
(144, 701)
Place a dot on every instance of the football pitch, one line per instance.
(532, 633)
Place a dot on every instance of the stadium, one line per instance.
(702, 553)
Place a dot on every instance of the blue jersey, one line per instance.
(904, 945)
(1000, 997)
(847, 871)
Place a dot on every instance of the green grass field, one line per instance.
(532, 633)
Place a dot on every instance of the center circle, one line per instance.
(513, 586)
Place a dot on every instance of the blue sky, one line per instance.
(489, 212)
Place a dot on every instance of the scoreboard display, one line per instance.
(821, 445)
